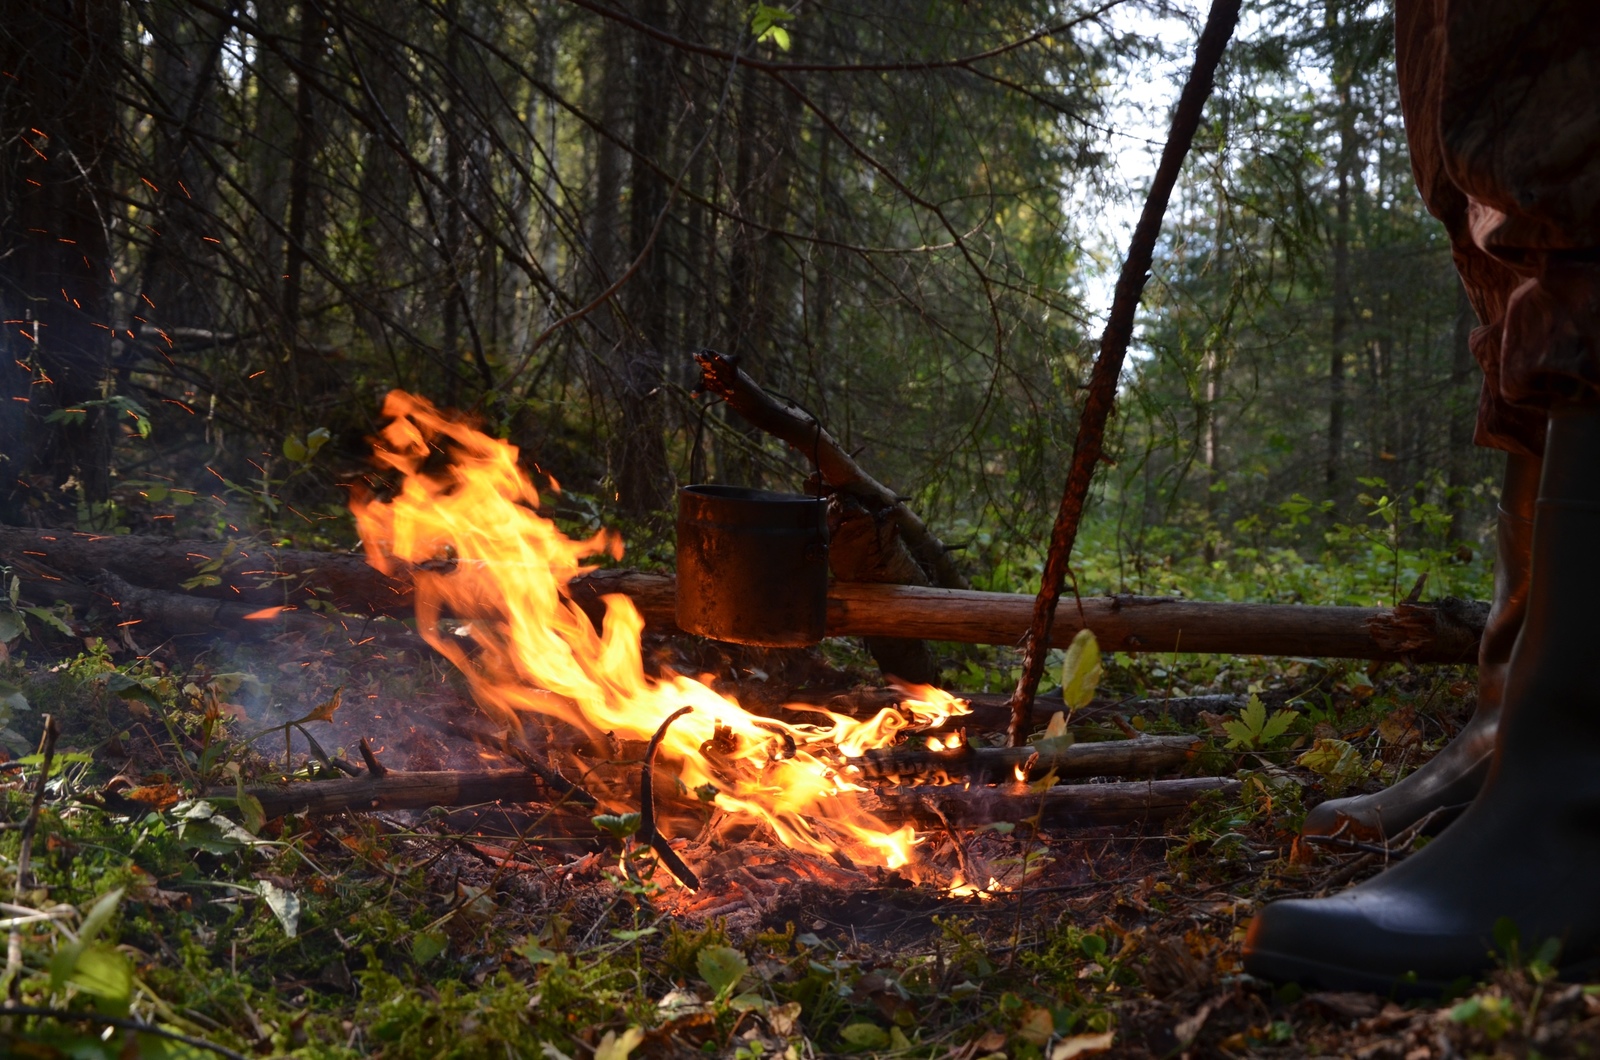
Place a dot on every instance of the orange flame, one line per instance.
(464, 500)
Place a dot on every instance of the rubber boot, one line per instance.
(1528, 848)
(1451, 779)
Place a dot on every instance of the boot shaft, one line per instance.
(1553, 689)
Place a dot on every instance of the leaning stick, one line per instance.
(1114, 341)
(1063, 806)
(1143, 757)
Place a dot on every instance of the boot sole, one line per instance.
(1288, 968)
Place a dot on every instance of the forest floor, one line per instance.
(480, 933)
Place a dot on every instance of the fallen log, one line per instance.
(242, 573)
(396, 789)
(1446, 631)
(1062, 806)
(1143, 757)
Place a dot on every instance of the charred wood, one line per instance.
(398, 789)
(1143, 757)
(1063, 806)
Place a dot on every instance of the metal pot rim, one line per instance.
(746, 495)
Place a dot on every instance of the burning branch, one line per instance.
(1146, 756)
(396, 789)
(1063, 806)
(648, 833)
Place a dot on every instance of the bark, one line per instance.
(1443, 631)
(181, 271)
(1143, 757)
(1102, 389)
(402, 790)
(305, 139)
(643, 479)
(1064, 806)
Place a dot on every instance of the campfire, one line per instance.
(491, 576)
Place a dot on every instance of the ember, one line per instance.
(470, 530)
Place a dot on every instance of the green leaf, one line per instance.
(1081, 670)
(1093, 946)
(49, 618)
(15, 591)
(1254, 730)
(1336, 761)
(632, 936)
(427, 945)
(285, 905)
(121, 685)
(765, 24)
(534, 953)
(11, 699)
(295, 450)
(250, 808)
(99, 915)
(1057, 737)
(105, 974)
(1506, 935)
(864, 1036)
(11, 626)
(622, 826)
(316, 440)
(722, 967)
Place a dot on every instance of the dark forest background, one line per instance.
(228, 228)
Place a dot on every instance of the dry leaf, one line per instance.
(155, 796)
(1400, 727)
(324, 711)
(784, 1019)
(1082, 1045)
(991, 1041)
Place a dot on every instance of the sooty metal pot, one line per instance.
(752, 565)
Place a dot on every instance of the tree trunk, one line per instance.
(57, 124)
(180, 272)
(296, 226)
(644, 482)
(1344, 166)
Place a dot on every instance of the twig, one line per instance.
(1102, 389)
(122, 1023)
(553, 778)
(375, 767)
(24, 881)
(648, 833)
